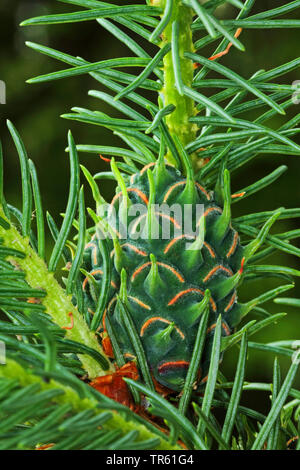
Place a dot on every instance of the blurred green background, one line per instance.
(35, 110)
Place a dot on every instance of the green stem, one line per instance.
(178, 121)
(58, 304)
(14, 371)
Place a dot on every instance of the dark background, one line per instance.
(35, 110)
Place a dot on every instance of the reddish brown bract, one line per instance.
(113, 385)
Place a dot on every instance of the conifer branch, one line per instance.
(58, 304)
